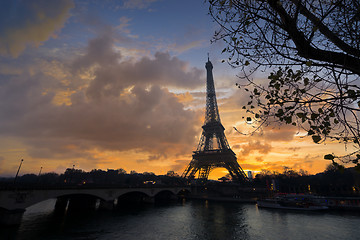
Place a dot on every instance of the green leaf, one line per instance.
(279, 113)
(301, 115)
(314, 116)
(316, 138)
(329, 157)
(288, 120)
(246, 63)
(351, 93)
(306, 81)
(248, 119)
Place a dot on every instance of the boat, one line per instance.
(344, 203)
(294, 202)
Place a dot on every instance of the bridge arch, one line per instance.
(28, 199)
(13, 202)
(183, 192)
(78, 202)
(132, 198)
(165, 196)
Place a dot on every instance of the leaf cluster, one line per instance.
(310, 103)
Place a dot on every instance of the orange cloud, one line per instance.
(121, 107)
(185, 97)
(262, 148)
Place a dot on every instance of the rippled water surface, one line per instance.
(187, 220)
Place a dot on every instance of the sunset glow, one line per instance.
(121, 84)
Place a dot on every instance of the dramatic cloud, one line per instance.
(294, 149)
(252, 146)
(147, 119)
(285, 133)
(24, 23)
(112, 75)
(120, 106)
(179, 166)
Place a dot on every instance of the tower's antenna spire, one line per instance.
(208, 57)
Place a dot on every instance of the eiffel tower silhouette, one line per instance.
(213, 150)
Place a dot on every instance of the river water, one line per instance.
(201, 220)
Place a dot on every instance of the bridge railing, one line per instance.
(82, 186)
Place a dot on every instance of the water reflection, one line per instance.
(184, 220)
(218, 221)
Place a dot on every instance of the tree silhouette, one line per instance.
(316, 49)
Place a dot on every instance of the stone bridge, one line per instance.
(13, 202)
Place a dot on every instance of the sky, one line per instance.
(121, 84)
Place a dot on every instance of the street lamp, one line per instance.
(38, 180)
(72, 173)
(17, 173)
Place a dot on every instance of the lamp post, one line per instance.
(17, 173)
(38, 180)
(72, 173)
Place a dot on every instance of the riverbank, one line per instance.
(236, 194)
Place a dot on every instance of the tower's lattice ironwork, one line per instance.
(213, 150)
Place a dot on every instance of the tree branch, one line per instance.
(326, 31)
(307, 51)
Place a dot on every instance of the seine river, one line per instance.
(187, 220)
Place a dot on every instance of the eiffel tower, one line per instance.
(213, 150)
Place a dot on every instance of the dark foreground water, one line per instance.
(187, 220)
